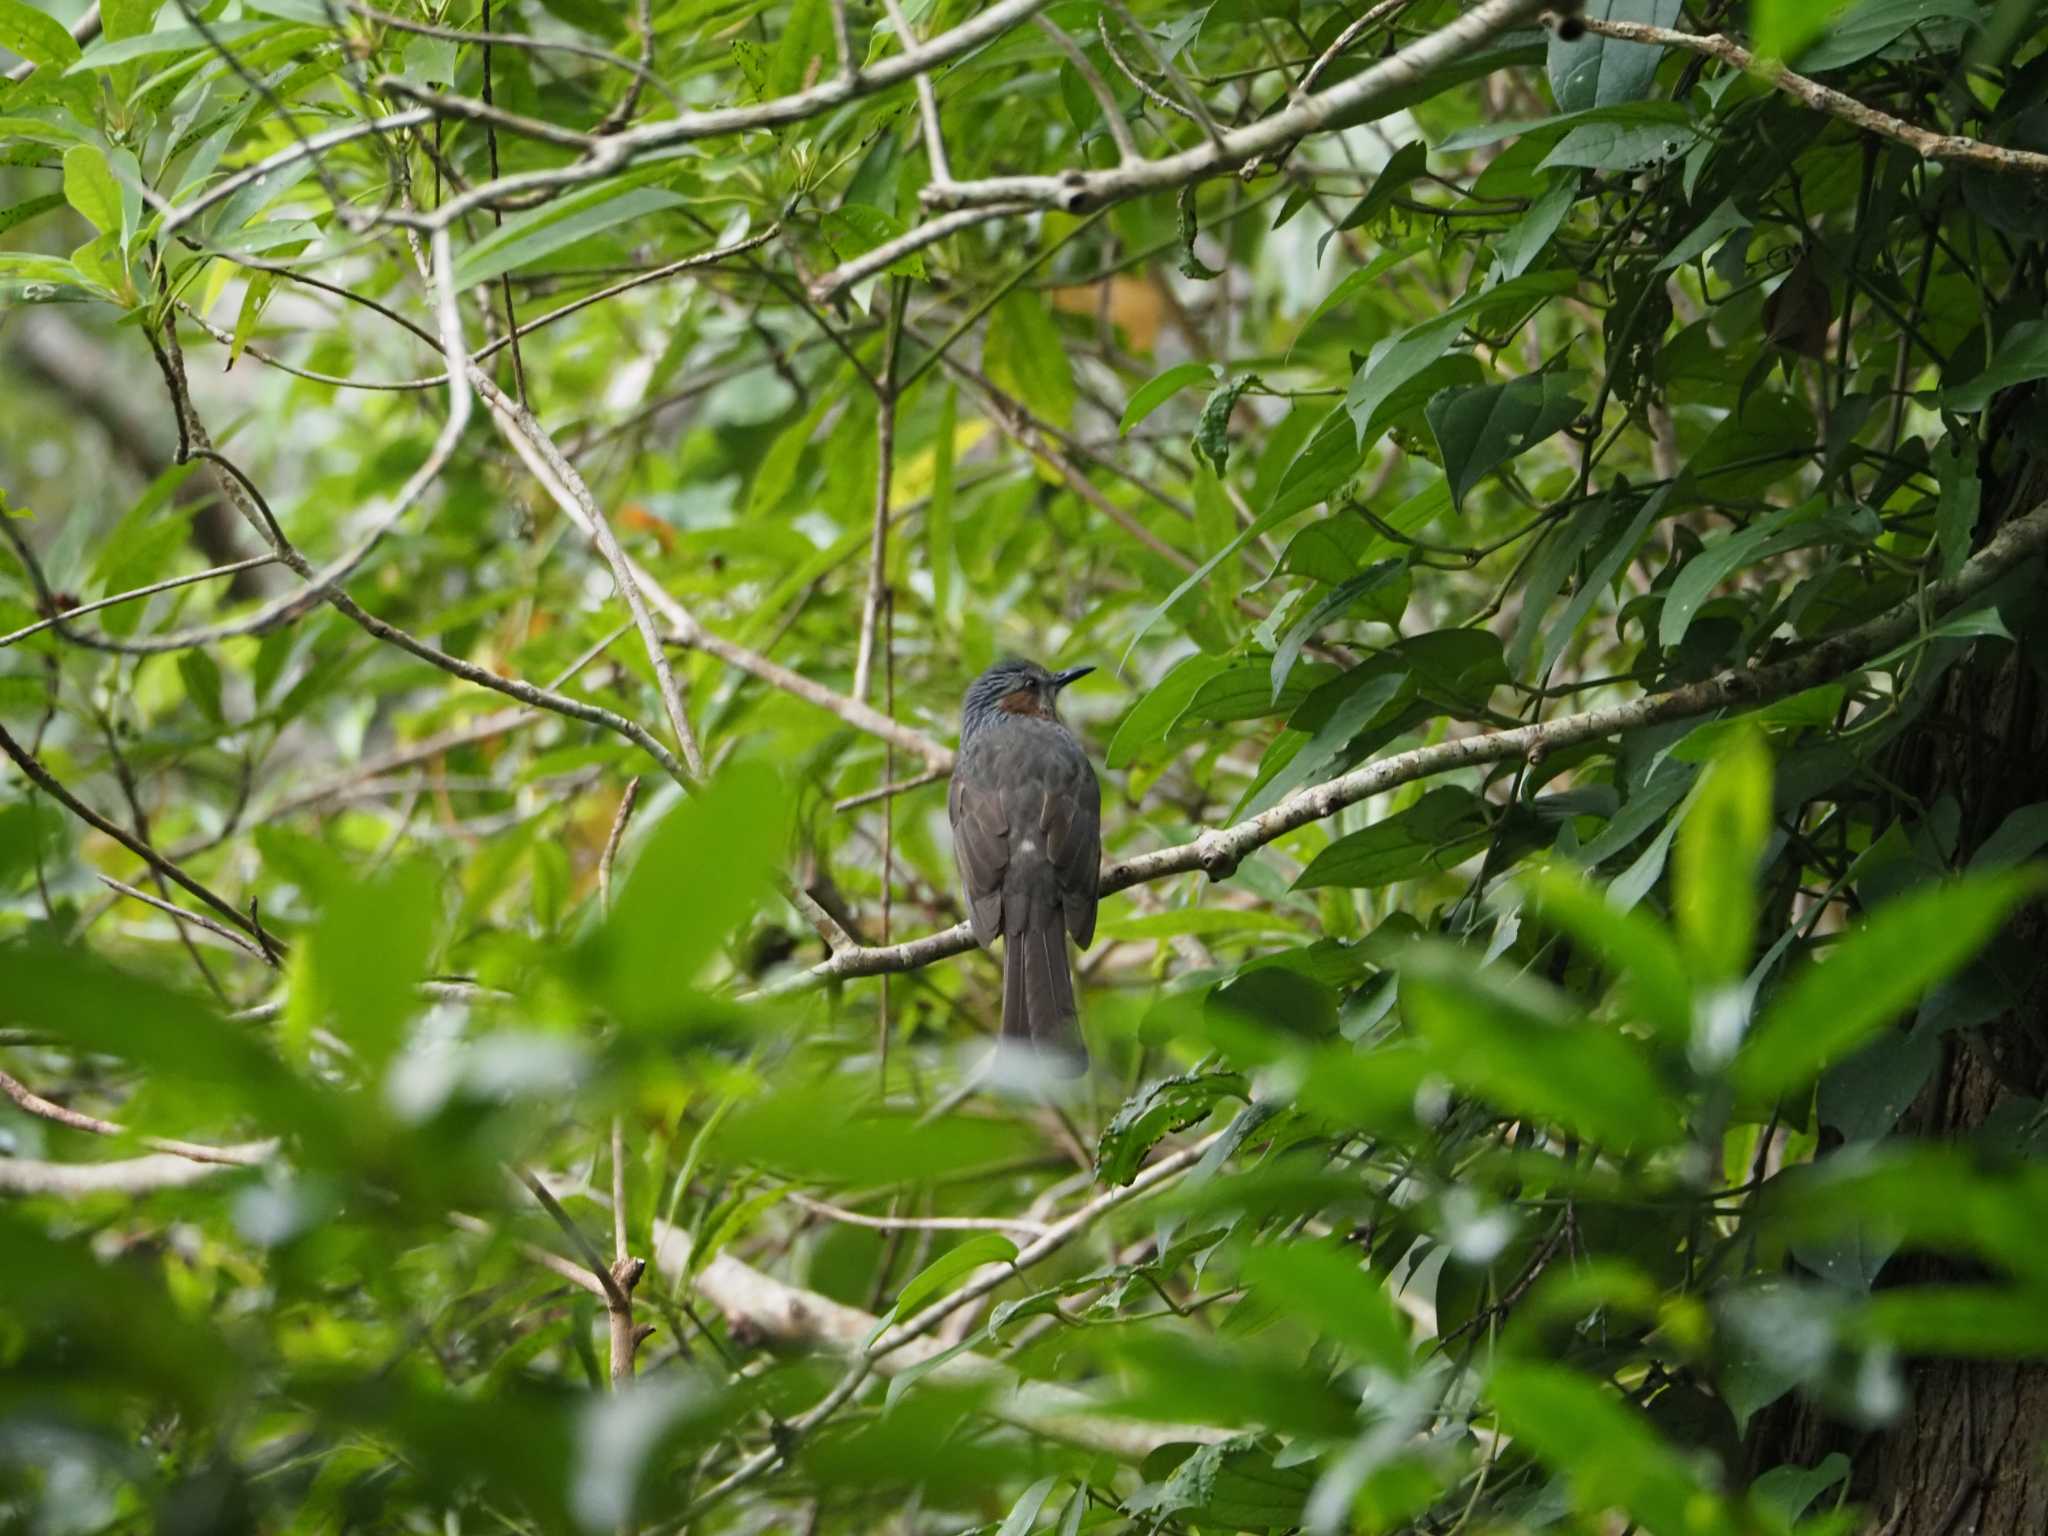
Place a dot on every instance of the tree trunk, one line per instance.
(1970, 1453)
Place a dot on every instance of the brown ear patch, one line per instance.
(1020, 701)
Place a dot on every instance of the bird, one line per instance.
(1027, 837)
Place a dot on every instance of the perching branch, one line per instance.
(1950, 147)
(1219, 851)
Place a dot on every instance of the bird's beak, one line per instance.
(1072, 674)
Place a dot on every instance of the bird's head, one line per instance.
(1017, 687)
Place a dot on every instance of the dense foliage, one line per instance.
(1558, 516)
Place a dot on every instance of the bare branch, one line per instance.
(604, 155)
(566, 487)
(627, 801)
(927, 96)
(889, 252)
(902, 786)
(126, 1176)
(596, 1264)
(916, 1223)
(30, 1102)
(83, 31)
(185, 914)
(47, 782)
(1076, 191)
(1951, 147)
(885, 468)
(231, 569)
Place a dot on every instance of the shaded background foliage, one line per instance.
(1634, 1124)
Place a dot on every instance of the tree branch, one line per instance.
(1952, 147)
(1076, 191)
(1218, 851)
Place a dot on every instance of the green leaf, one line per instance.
(1024, 1513)
(1329, 1288)
(2022, 357)
(1874, 974)
(1478, 430)
(1243, 691)
(1629, 942)
(956, 1263)
(29, 208)
(1594, 71)
(817, 1133)
(1783, 27)
(1751, 450)
(1514, 1042)
(806, 51)
(526, 237)
(1877, 24)
(1154, 714)
(1789, 1489)
(128, 18)
(669, 918)
(367, 954)
(214, 1067)
(36, 35)
(853, 229)
(1396, 359)
(1333, 605)
(1725, 219)
(1773, 534)
(1234, 1485)
(1719, 845)
(1957, 509)
(1971, 1321)
(110, 51)
(1595, 581)
(1212, 432)
(1402, 170)
(1617, 147)
(1024, 355)
(1529, 236)
(1610, 1455)
(1159, 1109)
(1191, 265)
(1208, 922)
(1159, 389)
(89, 186)
(1439, 832)
(201, 676)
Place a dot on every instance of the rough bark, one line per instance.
(1970, 1455)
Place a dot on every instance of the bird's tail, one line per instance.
(1038, 995)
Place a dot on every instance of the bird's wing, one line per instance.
(981, 848)
(1072, 819)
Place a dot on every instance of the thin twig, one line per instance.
(878, 544)
(611, 843)
(903, 786)
(590, 1256)
(916, 1223)
(1113, 116)
(927, 96)
(186, 914)
(27, 762)
(231, 569)
(33, 1103)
